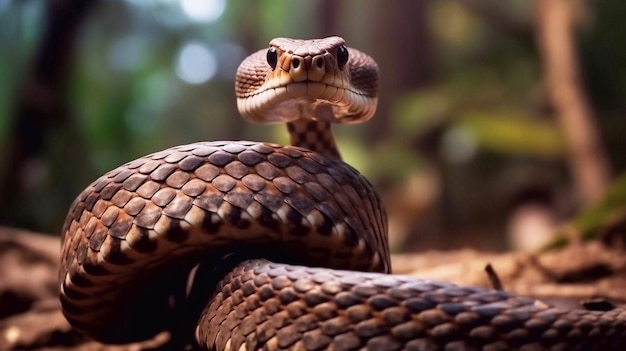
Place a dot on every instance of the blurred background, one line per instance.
(496, 122)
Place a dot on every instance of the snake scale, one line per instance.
(219, 239)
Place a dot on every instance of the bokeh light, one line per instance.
(4, 4)
(128, 53)
(459, 145)
(203, 10)
(196, 63)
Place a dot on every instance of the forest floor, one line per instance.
(31, 319)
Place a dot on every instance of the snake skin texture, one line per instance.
(314, 135)
(132, 232)
(267, 306)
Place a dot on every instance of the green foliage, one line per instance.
(605, 215)
(420, 111)
(514, 133)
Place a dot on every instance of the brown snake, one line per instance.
(132, 237)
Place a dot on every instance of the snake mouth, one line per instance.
(279, 103)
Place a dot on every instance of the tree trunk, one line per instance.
(586, 155)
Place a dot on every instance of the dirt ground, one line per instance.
(30, 316)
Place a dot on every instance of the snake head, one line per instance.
(320, 79)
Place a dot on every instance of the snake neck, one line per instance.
(315, 135)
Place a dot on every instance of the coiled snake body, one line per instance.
(133, 236)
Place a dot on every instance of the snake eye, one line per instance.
(342, 56)
(272, 57)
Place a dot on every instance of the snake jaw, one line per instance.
(307, 100)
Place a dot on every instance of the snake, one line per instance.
(245, 245)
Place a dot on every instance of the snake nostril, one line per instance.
(319, 63)
(295, 63)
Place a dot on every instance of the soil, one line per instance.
(31, 318)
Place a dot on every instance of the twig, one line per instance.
(494, 280)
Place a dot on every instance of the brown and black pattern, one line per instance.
(313, 135)
(262, 305)
(190, 201)
(126, 233)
